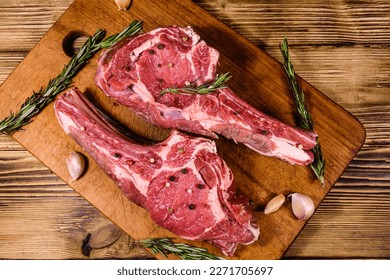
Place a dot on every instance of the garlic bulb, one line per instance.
(76, 165)
(302, 206)
(274, 204)
(123, 5)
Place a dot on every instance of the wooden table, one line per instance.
(342, 48)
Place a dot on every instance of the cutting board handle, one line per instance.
(73, 41)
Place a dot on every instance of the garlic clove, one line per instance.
(76, 165)
(302, 206)
(274, 204)
(123, 5)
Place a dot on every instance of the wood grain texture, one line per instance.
(352, 221)
(47, 141)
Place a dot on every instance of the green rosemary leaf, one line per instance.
(166, 246)
(318, 165)
(305, 119)
(134, 28)
(34, 104)
(218, 83)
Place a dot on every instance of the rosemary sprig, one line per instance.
(34, 104)
(134, 28)
(218, 83)
(165, 246)
(305, 120)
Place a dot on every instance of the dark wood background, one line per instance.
(341, 47)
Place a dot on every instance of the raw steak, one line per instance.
(186, 187)
(138, 69)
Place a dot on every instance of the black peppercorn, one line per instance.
(191, 206)
(172, 178)
(200, 186)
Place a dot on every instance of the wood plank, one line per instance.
(24, 22)
(313, 242)
(348, 224)
(354, 76)
(259, 188)
(308, 22)
(331, 42)
(356, 210)
(57, 232)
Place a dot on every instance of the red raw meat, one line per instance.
(183, 183)
(136, 70)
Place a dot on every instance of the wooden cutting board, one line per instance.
(257, 78)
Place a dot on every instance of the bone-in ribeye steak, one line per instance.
(183, 183)
(136, 70)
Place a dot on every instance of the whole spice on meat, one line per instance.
(76, 165)
(302, 206)
(274, 204)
